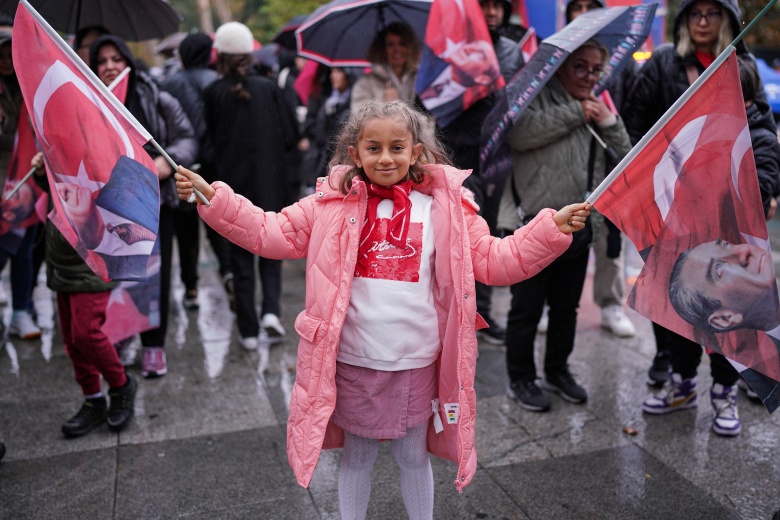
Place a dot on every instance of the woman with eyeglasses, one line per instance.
(702, 30)
(555, 160)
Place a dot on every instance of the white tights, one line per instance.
(415, 467)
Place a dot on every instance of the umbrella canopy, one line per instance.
(622, 30)
(132, 20)
(340, 32)
(286, 35)
(267, 55)
(771, 80)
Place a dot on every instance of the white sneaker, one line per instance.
(22, 325)
(544, 321)
(724, 404)
(250, 343)
(273, 327)
(614, 320)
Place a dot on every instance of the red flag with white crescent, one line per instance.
(104, 184)
(18, 212)
(528, 44)
(458, 66)
(689, 200)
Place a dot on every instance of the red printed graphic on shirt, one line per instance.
(385, 261)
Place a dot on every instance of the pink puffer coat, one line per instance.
(324, 228)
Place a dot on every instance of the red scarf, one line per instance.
(398, 227)
(705, 58)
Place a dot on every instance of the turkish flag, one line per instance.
(18, 212)
(458, 66)
(528, 44)
(689, 200)
(104, 184)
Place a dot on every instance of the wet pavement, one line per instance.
(208, 440)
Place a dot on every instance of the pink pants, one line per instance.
(81, 317)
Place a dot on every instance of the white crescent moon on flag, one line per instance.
(738, 151)
(671, 164)
(60, 75)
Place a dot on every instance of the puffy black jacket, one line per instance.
(766, 150)
(663, 79)
(187, 87)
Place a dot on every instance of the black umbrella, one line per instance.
(339, 33)
(286, 35)
(132, 20)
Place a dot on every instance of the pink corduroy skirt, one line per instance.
(377, 404)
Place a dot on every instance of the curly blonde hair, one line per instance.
(420, 126)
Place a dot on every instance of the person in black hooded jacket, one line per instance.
(252, 129)
(702, 30)
(188, 87)
(163, 117)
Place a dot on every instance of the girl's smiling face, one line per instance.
(385, 151)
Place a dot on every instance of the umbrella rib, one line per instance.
(129, 22)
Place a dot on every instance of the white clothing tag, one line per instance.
(452, 410)
(437, 425)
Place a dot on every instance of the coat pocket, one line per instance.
(309, 327)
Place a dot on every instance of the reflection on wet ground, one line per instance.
(208, 440)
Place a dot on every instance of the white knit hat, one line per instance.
(234, 38)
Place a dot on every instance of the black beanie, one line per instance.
(195, 50)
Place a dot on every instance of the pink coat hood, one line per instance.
(324, 228)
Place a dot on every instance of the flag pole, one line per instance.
(119, 78)
(175, 167)
(103, 89)
(650, 135)
(20, 183)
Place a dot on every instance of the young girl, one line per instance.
(393, 246)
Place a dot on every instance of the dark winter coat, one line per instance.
(462, 136)
(250, 139)
(165, 120)
(663, 79)
(766, 150)
(158, 112)
(188, 87)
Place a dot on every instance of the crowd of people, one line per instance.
(354, 185)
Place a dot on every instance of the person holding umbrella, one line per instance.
(163, 116)
(555, 161)
(394, 55)
(608, 279)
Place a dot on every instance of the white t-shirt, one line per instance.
(391, 321)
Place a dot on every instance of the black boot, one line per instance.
(91, 414)
(2, 450)
(122, 404)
